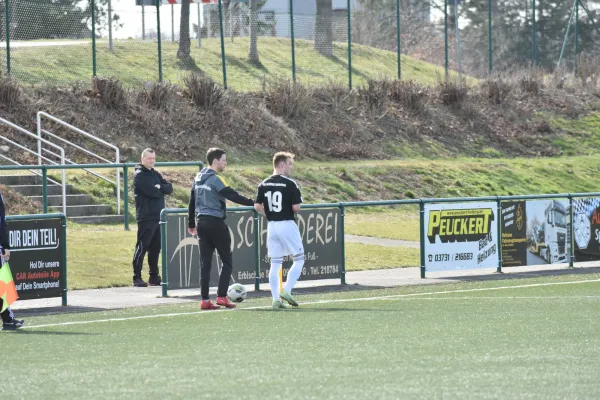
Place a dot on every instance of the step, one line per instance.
(85, 210)
(98, 219)
(36, 190)
(20, 179)
(72, 199)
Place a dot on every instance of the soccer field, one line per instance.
(518, 338)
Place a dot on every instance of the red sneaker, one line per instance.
(224, 301)
(208, 305)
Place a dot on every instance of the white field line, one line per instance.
(421, 296)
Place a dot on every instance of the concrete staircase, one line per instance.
(80, 207)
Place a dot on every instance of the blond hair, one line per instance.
(281, 156)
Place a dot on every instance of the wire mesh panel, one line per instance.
(321, 43)
(588, 43)
(257, 44)
(201, 52)
(50, 43)
(129, 52)
(422, 37)
(511, 35)
(552, 22)
(2, 37)
(374, 51)
(472, 36)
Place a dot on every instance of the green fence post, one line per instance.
(446, 37)
(349, 46)
(491, 51)
(256, 217)
(533, 34)
(422, 234)
(576, 37)
(343, 267)
(45, 189)
(93, 6)
(571, 230)
(223, 62)
(499, 233)
(63, 220)
(7, 33)
(126, 196)
(160, 72)
(293, 41)
(163, 246)
(399, 42)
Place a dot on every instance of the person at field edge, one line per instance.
(9, 322)
(279, 199)
(206, 215)
(149, 189)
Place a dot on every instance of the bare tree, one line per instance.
(324, 28)
(183, 52)
(253, 22)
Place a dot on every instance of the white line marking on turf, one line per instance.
(500, 298)
(390, 297)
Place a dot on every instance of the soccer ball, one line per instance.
(237, 292)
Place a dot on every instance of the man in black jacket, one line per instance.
(206, 218)
(8, 318)
(149, 188)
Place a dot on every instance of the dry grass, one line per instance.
(158, 95)
(110, 92)
(203, 91)
(287, 99)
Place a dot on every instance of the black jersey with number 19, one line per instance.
(277, 194)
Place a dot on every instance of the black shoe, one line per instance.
(138, 282)
(12, 325)
(155, 280)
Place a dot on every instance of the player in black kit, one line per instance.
(279, 200)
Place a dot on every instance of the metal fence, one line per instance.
(240, 44)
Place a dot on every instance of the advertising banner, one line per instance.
(460, 236)
(535, 232)
(319, 229)
(36, 257)
(586, 229)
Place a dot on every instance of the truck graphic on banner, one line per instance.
(548, 238)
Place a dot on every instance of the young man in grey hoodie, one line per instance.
(206, 215)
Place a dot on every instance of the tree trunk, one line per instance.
(253, 50)
(183, 51)
(324, 28)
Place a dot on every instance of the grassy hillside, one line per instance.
(327, 182)
(136, 62)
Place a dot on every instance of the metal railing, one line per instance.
(44, 177)
(342, 206)
(125, 166)
(117, 182)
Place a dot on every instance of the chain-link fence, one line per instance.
(244, 44)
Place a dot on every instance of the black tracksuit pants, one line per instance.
(7, 315)
(214, 234)
(148, 241)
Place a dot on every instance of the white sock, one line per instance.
(274, 278)
(294, 273)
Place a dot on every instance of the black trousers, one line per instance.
(214, 234)
(148, 241)
(7, 315)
